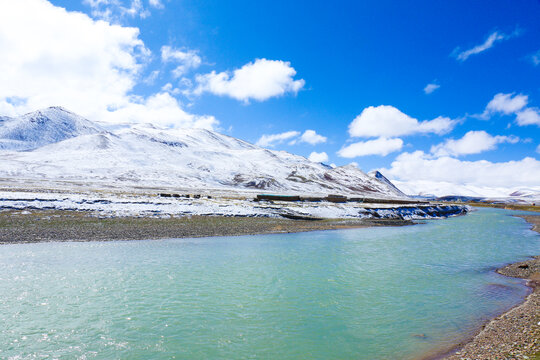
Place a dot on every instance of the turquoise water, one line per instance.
(377, 293)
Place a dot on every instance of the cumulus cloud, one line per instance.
(420, 168)
(274, 139)
(508, 104)
(528, 116)
(185, 59)
(488, 44)
(311, 137)
(387, 121)
(160, 109)
(259, 80)
(473, 142)
(431, 88)
(54, 57)
(318, 157)
(380, 146)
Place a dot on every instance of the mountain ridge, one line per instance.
(56, 144)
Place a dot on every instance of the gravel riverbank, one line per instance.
(60, 225)
(516, 333)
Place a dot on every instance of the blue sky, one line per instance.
(323, 64)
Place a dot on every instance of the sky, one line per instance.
(429, 92)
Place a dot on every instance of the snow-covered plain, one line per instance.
(123, 204)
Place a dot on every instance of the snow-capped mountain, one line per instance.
(435, 189)
(55, 144)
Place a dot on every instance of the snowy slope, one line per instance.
(42, 127)
(64, 146)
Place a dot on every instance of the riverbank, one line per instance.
(516, 333)
(29, 226)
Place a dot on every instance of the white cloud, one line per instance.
(160, 109)
(54, 57)
(259, 80)
(387, 121)
(431, 88)
(473, 142)
(318, 157)
(490, 41)
(274, 139)
(156, 3)
(507, 103)
(116, 10)
(380, 146)
(418, 167)
(528, 116)
(311, 137)
(186, 59)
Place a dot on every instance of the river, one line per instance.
(372, 293)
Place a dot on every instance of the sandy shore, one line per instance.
(53, 225)
(515, 334)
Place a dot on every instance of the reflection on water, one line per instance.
(379, 293)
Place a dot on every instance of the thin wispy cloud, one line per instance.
(491, 40)
(431, 88)
(293, 137)
(116, 10)
(184, 58)
(156, 3)
(274, 139)
(381, 146)
(535, 58)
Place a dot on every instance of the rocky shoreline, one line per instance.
(516, 333)
(30, 226)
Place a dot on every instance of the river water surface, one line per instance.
(375, 293)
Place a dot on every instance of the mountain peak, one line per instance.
(43, 127)
(379, 176)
